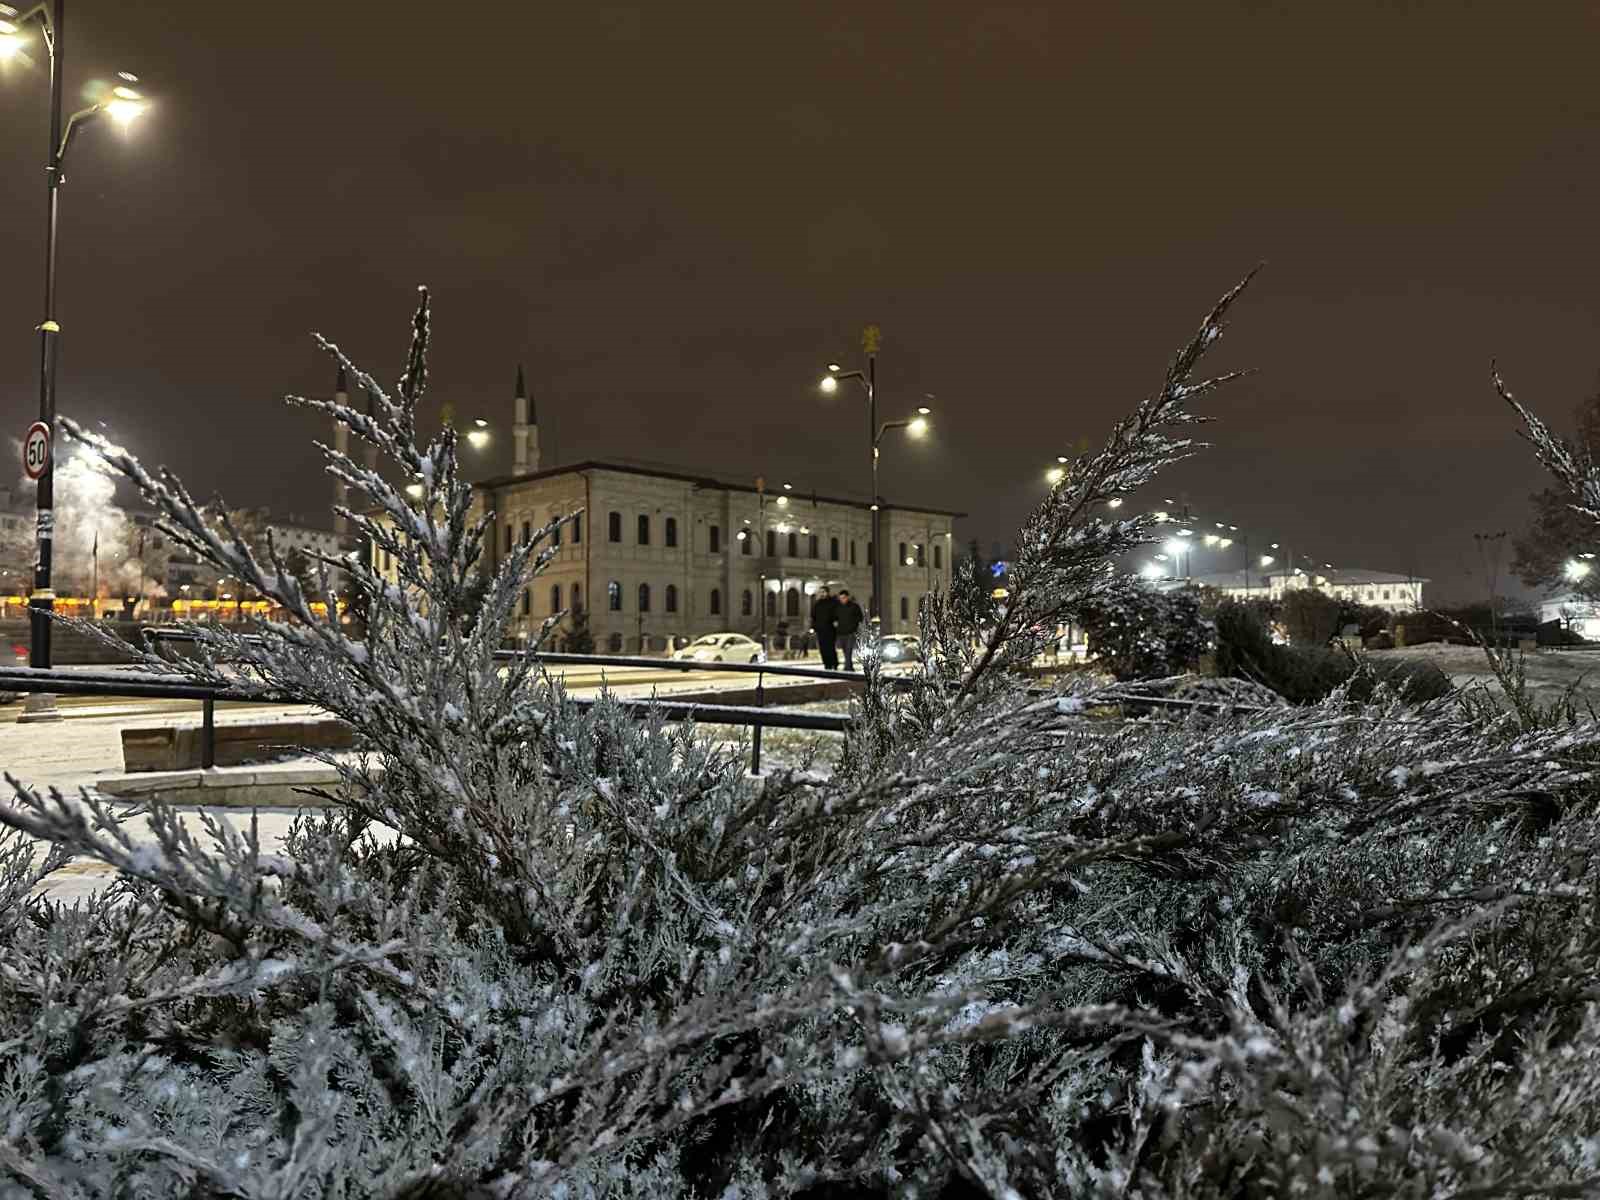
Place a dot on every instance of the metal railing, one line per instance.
(148, 685)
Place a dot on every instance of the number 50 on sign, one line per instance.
(36, 450)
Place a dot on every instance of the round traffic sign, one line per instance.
(36, 449)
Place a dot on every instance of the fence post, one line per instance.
(755, 741)
(208, 734)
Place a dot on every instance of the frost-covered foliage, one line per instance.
(1145, 634)
(1004, 947)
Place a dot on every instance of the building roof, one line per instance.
(704, 481)
(1228, 579)
(1348, 576)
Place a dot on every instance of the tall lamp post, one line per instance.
(916, 426)
(122, 103)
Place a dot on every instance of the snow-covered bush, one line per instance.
(1146, 634)
(1001, 946)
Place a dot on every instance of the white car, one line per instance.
(722, 647)
(899, 648)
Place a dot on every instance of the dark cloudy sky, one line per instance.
(674, 213)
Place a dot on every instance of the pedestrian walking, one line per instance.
(847, 620)
(823, 612)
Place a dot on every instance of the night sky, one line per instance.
(674, 214)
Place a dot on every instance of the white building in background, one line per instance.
(1579, 614)
(1375, 589)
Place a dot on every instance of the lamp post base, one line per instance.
(39, 707)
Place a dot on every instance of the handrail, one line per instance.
(153, 686)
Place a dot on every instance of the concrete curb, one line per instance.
(228, 787)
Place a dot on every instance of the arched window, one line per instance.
(671, 535)
(772, 603)
(744, 542)
(811, 547)
(772, 543)
(644, 529)
(748, 607)
(577, 529)
(527, 533)
(508, 537)
(715, 534)
(716, 602)
(577, 598)
(791, 603)
(672, 598)
(555, 534)
(614, 526)
(905, 608)
(938, 557)
(794, 545)
(527, 602)
(852, 552)
(644, 597)
(614, 596)
(555, 598)
(903, 555)
(833, 549)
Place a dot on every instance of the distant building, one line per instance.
(660, 554)
(1375, 589)
(1578, 614)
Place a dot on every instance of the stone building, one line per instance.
(1375, 589)
(658, 554)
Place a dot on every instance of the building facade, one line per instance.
(655, 556)
(651, 556)
(1375, 589)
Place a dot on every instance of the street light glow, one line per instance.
(1176, 547)
(783, 502)
(918, 427)
(829, 384)
(1055, 475)
(1577, 570)
(1114, 502)
(1150, 571)
(11, 39)
(1211, 539)
(1267, 560)
(126, 103)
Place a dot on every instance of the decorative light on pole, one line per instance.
(122, 102)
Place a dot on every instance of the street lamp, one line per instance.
(916, 426)
(1577, 570)
(123, 102)
(478, 435)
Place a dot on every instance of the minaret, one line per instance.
(341, 443)
(524, 431)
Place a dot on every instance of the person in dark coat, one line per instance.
(847, 620)
(823, 612)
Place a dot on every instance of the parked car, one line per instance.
(899, 648)
(722, 647)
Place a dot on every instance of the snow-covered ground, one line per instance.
(1549, 672)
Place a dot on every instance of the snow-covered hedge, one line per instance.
(1348, 949)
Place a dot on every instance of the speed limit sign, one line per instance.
(36, 450)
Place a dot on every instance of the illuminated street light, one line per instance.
(1114, 502)
(125, 102)
(1150, 571)
(414, 490)
(1577, 570)
(1054, 475)
(1267, 560)
(122, 102)
(1211, 539)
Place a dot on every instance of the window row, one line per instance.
(574, 599)
(574, 528)
(791, 545)
(641, 537)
